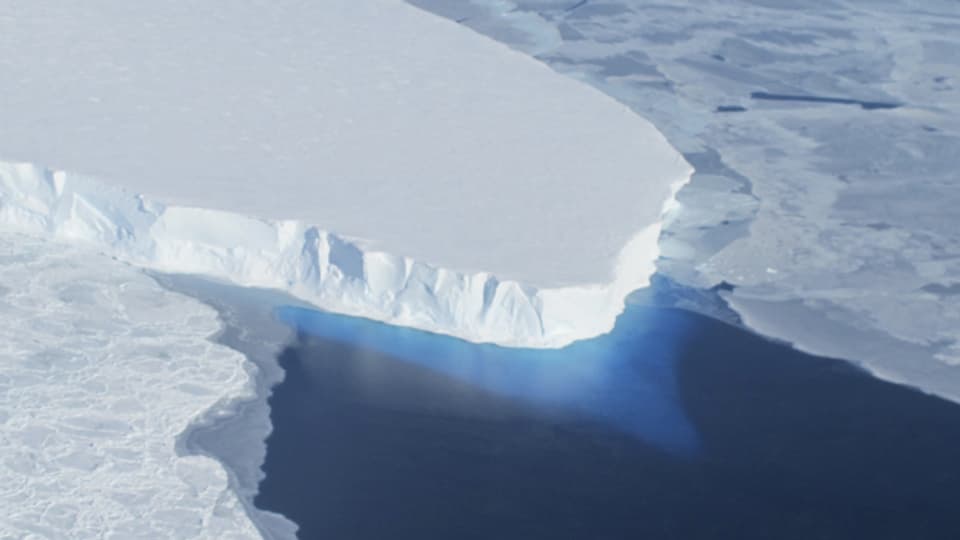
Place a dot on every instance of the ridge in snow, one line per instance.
(472, 190)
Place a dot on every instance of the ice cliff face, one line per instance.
(331, 271)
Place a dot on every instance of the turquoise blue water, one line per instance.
(674, 427)
(626, 379)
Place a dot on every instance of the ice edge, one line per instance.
(330, 271)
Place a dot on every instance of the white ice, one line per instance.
(101, 370)
(467, 188)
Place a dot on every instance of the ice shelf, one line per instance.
(369, 157)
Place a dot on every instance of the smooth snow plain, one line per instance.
(370, 157)
(834, 225)
(103, 370)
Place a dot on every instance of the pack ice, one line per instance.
(366, 156)
(102, 372)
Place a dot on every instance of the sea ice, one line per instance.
(102, 370)
(829, 224)
(368, 156)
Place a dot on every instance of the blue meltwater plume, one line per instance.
(626, 379)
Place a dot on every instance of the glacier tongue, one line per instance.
(472, 190)
(328, 270)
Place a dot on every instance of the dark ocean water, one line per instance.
(674, 426)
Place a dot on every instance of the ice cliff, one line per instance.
(328, 270)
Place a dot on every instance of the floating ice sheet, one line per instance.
(416, 142)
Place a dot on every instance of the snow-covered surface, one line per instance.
(419, 143)
(101, 370)
(837, 225)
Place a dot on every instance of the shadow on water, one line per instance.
(626, 379)
(675, 426)
(867, 105)
(730, 109)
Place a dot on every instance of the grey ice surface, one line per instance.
(835, 221)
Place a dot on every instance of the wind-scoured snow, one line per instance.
(102, 370)
(368, 156)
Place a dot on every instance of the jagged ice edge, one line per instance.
(333, 272)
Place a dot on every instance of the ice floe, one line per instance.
(101, 371)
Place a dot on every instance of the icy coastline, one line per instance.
(323, 268)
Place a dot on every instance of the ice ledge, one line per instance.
(330, 271)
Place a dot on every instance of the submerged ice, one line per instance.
(626, 379)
